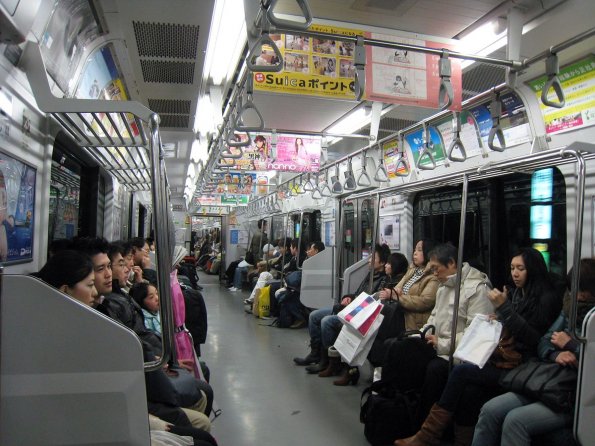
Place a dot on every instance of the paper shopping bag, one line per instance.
(479, 340)
(353, 346)
(359, 311)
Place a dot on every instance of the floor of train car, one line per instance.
(265, 399)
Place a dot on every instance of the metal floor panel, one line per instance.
(265, 398)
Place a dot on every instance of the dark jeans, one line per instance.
(468, 387)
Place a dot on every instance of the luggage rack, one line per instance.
(123, 137)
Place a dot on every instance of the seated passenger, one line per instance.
(140, 252)
(421, 365)
(324, 326)
(407, 306)
(72, 273)
(147, 297)
(526, 312)
(512, 419)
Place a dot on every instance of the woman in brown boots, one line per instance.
(526, 312)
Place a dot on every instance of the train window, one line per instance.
(348, 251)
(65, 187)
(501, 218)
(367, 223)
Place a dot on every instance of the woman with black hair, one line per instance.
(408, 303)
(526, 312)
(72, 273)
(513, 418)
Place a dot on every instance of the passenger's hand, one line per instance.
(346, 301)
(187, 364)
(560, 339)
(384, 294)
(432, 340)
(492, 317)
(567, 359)
(398, 291)
(498, 297)
(138, 274)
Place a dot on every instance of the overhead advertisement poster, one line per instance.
(392, 156)
(435, 145)
(405, 77)
(292, 153)
(578, 84)
(469, 135)
(311, 66)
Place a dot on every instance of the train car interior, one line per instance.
(273, 158)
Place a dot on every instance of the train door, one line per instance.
(358, 222)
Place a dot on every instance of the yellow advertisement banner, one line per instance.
(311, 66)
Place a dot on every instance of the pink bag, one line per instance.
(183, 341)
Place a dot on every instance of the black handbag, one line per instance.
(552, 384)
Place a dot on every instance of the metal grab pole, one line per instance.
(162, 245)
(557, 48)
(455, 312)
(578, 239)
(404, 46)
(374, 238)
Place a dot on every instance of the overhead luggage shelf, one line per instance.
(114, 133)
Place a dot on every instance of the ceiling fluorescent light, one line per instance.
(203, 119)
(227, 37)
(484, 40)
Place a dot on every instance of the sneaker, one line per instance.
(233, 288)
(298, 324)
(248, 301)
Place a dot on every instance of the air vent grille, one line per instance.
(481, 77)
(177, 121)
(166, 40)
(167, 72)
(170, 106)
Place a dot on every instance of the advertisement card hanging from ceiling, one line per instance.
(405, 77)
(436, 146)
(513, 120)
(578, 84)
(222, 200)
(311, 66)
(392, 156)
(469, 134)
(292, 153)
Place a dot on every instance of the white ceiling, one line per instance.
(442, 18)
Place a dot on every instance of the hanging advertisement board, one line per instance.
(578, 84)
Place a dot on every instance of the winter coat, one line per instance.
(473, 300)
(420, 300)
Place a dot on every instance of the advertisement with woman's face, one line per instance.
(291, 153)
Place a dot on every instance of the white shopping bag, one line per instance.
(362, 308)
(353, 346)
(479, 340)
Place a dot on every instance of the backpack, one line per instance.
(188, 270)
(387, 415)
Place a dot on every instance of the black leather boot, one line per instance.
(322, 365)
(312, 358)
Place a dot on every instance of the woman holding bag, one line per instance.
(513, 418)
(526, 311)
